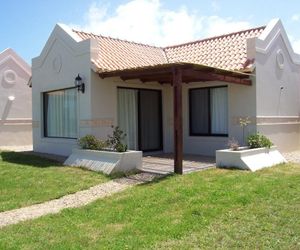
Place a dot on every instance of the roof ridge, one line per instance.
(117, 39)
(214, 37)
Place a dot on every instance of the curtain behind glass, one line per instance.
(127, 116)
(61, 113)
(219, 110)
(70, 111)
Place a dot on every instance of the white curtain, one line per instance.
(61, 113)
(127, 116)
(219, 110)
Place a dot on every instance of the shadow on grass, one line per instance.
(230, 168)
(158, 179)
(20, 158)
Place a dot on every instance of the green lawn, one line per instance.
(26, 180)
(210, 209)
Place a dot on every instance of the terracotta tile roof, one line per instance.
(117, 54)
(224, 52)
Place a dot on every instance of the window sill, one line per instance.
(59, 140)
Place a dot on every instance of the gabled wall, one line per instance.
(62, 58)
(15, 100)
(278, 87)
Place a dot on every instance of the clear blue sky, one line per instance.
(26, 25)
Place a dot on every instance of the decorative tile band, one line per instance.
(16, 122)
(105, 122)
(268, 120)
(277, 120)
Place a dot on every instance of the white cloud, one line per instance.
(296, 18)
(295, 43)
(216, 25)
(296, 46)
(149, 22)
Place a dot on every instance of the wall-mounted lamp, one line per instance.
(79, 84)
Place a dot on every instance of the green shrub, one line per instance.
(91, 142)
(121, 147)
(114, 141)
(258, 141)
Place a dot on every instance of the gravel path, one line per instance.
(78, 199)
(292, 156)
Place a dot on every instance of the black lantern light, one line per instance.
(79, 84)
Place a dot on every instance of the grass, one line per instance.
(27, 179)
(211, 209)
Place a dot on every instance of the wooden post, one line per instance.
(178, 137)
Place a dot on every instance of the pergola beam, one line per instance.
(196, 75)
(189, 74)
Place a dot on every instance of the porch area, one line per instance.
(175, 74)
(164, 163)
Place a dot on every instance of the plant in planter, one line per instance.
(258, 141)
(110, 156)
(259, 154)
(91, 142)
(114, 141)
(233, 144)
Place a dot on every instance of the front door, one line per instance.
(140, 117)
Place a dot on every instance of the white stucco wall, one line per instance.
(56, 68)
(278, 88)
(15, 100)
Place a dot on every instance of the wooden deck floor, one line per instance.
(164, 163)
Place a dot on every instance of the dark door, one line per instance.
(150, 120)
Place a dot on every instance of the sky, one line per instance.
(26, 25)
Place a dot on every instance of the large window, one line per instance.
(209, 111)
(60, 113)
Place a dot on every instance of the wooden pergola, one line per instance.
(176, 74)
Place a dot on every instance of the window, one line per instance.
(60, 113)
(209, 111)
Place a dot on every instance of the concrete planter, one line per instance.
(249, 159)
(107, 162)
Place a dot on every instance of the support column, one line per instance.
(177, 118)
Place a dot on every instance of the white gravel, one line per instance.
(292, 156)
(78, 199)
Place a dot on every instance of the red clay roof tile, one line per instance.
(226, 52)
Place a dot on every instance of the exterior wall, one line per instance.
(15, 100)
(104, 106)
(104, 112)
(241, 103)
(278, 90)
(56, 68)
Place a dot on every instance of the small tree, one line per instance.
(244, 122)
(115, 140)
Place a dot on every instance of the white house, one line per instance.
(15, 101)
(183, 99)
